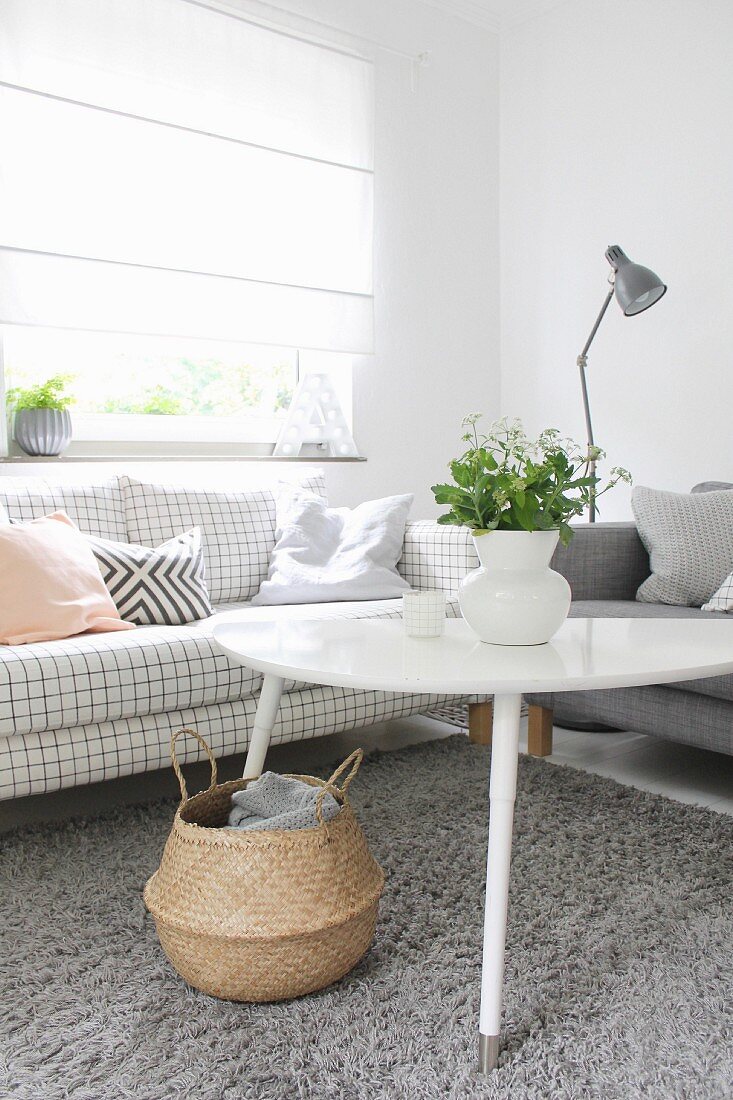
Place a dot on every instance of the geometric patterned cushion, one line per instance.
(164, 586)
(95, 509)
(237, 529)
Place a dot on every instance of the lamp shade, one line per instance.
(636, 287)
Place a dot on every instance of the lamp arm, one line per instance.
(599, 318)
(582, 364)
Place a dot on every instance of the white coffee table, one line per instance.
(375, 654)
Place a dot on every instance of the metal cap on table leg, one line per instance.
(488, 1053)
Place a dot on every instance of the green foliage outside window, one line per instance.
(208, 387)
(163, 385)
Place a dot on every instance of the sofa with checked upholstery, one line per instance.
(97, 706)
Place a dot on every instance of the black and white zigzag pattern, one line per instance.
(164, 586)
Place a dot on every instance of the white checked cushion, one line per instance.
(95, 509)
(722, 600)
(162, 586)
(237, 528)
(435, 556)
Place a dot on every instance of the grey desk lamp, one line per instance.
(636, 288)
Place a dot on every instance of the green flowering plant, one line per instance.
(506, 482)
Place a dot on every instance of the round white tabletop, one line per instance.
(584, 654)
(375, 653)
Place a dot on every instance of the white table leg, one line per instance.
(502, 791)
(267, 708)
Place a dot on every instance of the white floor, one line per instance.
(678, 771)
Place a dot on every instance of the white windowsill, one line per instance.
(309, 460)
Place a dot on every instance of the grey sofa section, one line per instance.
(685, 716)
(604, 561)
(604, 564)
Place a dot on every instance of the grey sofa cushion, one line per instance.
(711, 486)
(632, 609)
(689, 537)
(683, 716)
(715, 687)
(604, 561)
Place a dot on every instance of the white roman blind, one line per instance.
(170, 168)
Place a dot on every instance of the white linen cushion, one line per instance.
(237, 528)
(689, 537)
(325, 554)
(95, 509)
(164, 585)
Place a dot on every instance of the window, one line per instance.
(185, 203)
(147, 388)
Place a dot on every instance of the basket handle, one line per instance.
(177, 766)
(355, 760)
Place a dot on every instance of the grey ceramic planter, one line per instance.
(43, 431)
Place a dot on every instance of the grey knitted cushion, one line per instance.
(689, 537)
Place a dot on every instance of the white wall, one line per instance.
(436, 248)
(616, 129)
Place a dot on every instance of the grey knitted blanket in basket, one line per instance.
(279, 802)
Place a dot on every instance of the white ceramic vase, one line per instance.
(514, 598)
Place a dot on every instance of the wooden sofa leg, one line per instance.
(539, 731)
(480, 717)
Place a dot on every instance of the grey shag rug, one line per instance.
(619, 975)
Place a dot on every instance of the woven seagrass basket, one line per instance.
(263, 915)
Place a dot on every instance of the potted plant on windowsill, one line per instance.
(518, 496)
(42, 423)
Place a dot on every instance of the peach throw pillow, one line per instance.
(50, 583)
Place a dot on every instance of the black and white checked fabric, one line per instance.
(722, 600)
(99, 706)
(98, 678)
(435, 556)
(42, 762)
(164, 586)
(237, 529)
(95, 509)
(88, 708)
(101, 678)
